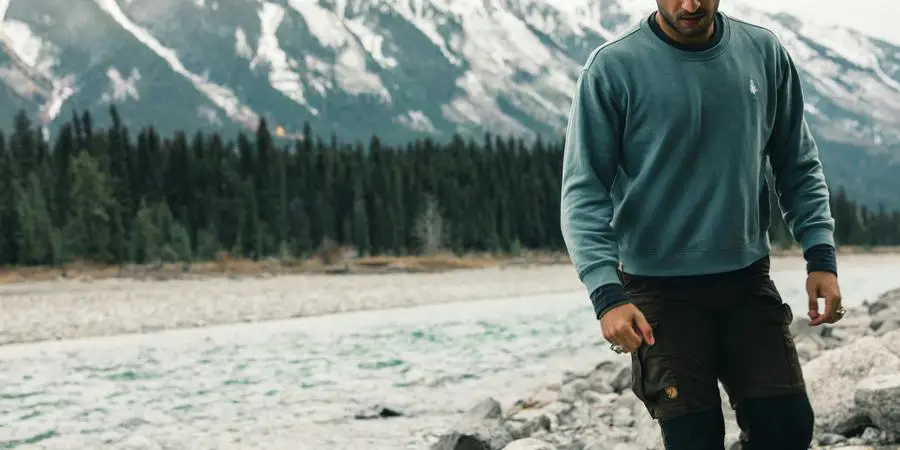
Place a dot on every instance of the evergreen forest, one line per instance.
(113, 196)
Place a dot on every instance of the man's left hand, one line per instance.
(824, 285)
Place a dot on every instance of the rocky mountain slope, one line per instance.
(401, 68)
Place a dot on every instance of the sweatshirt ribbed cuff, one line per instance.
(816, 236)
(600, 275)
(607, 297)
(821, 258)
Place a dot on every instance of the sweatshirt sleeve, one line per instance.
(799, 179)
(590, 164)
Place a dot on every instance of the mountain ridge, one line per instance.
(403, 69)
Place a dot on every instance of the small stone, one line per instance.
(623, 421)
(626, 446)
(871, 435)
(528, 423)
(887, 327)
(621, 381)
(544, 396)
(592, 397)
(486, 409)
(857, 441)
(572, 391)
(807, 350)
(528, 444)
(831, 439)
(460, 441)
(479, 428)
(599, 378)
(377, 412)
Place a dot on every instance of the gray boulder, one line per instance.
(831, 381)
(879, 398)
(888, 301)
(480, 428)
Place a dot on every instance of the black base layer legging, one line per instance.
(783, 422)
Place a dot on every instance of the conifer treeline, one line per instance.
(107, 196)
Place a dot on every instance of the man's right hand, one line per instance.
(625, 325)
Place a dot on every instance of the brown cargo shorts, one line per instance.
(733, 328)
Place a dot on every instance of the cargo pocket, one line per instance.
(783, 347)
(637, 377)
(637, 369)
(655, 381)
(795, 377)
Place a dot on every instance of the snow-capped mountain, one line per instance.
(399, 68)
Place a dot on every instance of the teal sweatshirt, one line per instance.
(666, 153)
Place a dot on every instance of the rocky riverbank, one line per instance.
(77, 308)
(852, 370)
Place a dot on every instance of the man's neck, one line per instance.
(680, 38)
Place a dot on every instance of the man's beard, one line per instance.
(698, 29)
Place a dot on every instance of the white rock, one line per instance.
(647, 433)
(831, 381)
(622, 418)
(732, 431)
(626, 446)
(807, 350)
(546, 395)
(529, 444)
(527, 423)
(879, 398)
(572, 391)
(594, 398)
(888, 326)
(482, 424)
(830, 439)
(621, 380)
(891, 341)
(599, 377)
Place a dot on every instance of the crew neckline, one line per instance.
(691, 53)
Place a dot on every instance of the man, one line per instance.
(670, 133)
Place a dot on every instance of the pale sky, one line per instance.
(876, 18)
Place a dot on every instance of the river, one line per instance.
(296, 384)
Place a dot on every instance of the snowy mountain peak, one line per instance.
(401, 68)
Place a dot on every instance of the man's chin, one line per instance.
(694, 32)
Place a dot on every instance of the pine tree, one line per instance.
(103, 196)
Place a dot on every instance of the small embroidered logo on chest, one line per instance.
(754, 88)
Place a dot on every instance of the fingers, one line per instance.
(644, 328)
(626, 338)
(828, 317)
(629, 339)
(627, 328)
(832, 304)
(623, 334)
(813, 294)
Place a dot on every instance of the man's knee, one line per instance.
(782, 422)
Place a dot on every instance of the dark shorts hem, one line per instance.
(675, 413)
(771, 391)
